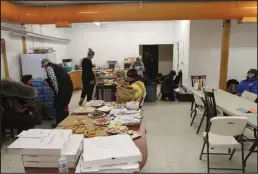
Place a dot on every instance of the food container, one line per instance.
(132, 105)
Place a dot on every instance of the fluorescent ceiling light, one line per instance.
(97, 23)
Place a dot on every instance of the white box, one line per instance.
(72, 152)
(46, 164)
(40, 133)
(53, 144)
(118, 168)
(117, 149)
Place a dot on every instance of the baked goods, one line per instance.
(96, 114)
(79, 127)
(93, 132)
(116, 128)
(84, 110)
(101, 122)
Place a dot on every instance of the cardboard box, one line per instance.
(119, 168)
(72, 152)
(117, 149)
(52, 144)
(46, 164)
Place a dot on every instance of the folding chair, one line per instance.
(198, 107)
(221, 133)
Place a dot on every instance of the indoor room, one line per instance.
(154, 86)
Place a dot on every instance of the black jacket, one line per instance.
(87, 72)
(65, 84)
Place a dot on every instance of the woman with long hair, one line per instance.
(88, 77)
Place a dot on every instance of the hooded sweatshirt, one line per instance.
(249, 85)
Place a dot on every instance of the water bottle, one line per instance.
(63, 165)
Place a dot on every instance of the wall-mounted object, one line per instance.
(3, 47)
(22, 31)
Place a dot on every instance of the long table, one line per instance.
(140, 142)
(229, 103)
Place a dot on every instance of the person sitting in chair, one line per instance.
(250, 84)
(17, 110)
(136, 83)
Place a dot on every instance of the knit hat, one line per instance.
(26, 78)
(44, 62)
(132, 73)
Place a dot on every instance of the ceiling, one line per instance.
(63, 3)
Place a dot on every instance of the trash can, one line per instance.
(151, 89)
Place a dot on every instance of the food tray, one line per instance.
(101, 124)
(100, 116)
(114, 133)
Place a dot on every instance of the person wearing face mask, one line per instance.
(88, 77)
(250, 84)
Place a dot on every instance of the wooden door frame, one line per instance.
(3, 47)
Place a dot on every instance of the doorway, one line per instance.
(157, 59)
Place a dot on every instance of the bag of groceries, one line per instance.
(125, 93)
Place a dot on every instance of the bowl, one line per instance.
(132, 105)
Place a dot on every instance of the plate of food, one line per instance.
(96, 103)
(96, 114)
(117, 129)
(84, 110)
(101, 122)
(93, 132)
(104, 109)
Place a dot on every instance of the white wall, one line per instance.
(49, 30)
(14, 47)
(118, 40)
(165, 58)
(205, 50)
(13, 50)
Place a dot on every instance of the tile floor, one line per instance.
(173, 145)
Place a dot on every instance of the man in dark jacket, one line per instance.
(62, 85)
(168, 86)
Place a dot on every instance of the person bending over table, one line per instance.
(61, 83)
(250, 84)
(136, 83)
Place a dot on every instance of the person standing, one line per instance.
(138, 66)
(88, 77)
(61, 83)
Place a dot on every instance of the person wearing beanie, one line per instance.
(138, 66)
(136, 83)
(250, 84)
(88, 77)
(61, 83)
(27, 79)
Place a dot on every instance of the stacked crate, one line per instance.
(45, 95)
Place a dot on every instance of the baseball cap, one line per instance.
(44, 61)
